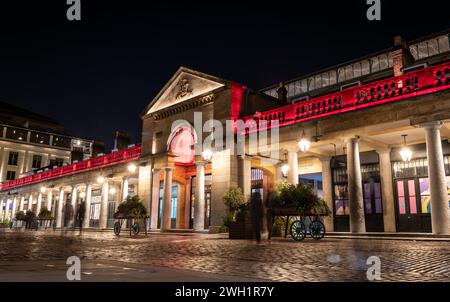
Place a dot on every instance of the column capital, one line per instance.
(199, 161)
(355, 138)
(325, 158)
(167, 169)
(431, 125)
(383, 150)
(292, 150)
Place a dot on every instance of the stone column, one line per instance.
(39, 204)
(357, 219)
(293, 167)
(387, 190)
(278, 173)
(8, 203)
(438, 182)
(87, 205)
(22, 202)
(49, 199)
(59, 218)
(104, 205)
(30, 202)
(155, 199)
(73, 203)
(1, 209)
(245, 175)
(124, 188)
(199, 206)
(14, 206)
(167, 199)
(327, 189)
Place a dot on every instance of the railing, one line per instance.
(80, 167)
(424, 81)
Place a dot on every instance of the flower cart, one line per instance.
(132, 215)
(302, 208)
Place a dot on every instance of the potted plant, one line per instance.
(45, 213)
(237, 220)
(20, 216)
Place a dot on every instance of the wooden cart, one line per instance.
(295, 223)
(133, 224)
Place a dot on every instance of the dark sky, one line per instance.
(97, 75)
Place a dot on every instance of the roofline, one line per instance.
(418, 40)
(172, 79)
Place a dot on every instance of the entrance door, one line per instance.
(408, 207)
(373, 206)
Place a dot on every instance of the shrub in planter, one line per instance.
(235, 200)
(132, 207)
(20, 216)
(45, 213)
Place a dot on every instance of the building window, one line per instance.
(13, 158)
(37, 161)
(16, 134)
(39, 138)
(10, 175)
(59, 161)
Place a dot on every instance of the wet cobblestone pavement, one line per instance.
(331, 259)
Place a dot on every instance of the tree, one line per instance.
(235, 200)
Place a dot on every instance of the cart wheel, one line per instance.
(117, 228)
(317, 229)
(298, 230)
(135, 228)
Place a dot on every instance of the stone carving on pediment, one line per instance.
(184, 89)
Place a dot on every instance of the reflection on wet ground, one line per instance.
(331, 259)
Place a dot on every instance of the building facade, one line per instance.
(31, 142)
(374, 142)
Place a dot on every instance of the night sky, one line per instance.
(97, 75)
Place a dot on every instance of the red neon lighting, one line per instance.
(237, 91)
(84, 166)
(421, 82)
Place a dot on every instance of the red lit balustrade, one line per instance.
(80, 167)
(421, 82)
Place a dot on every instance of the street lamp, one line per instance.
(82, 195)
(207, 154)
(43, 189)
(304, 144)
(285, 170)
(112, 191)
(405, 153)
(132, 168)
(100, 179)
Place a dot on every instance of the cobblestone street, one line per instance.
(41, 256)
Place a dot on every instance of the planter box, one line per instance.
(241, 230)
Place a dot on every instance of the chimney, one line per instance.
(282, 93)
(401, 55)
(122, 140)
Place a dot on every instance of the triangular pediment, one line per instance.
(184, 85)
